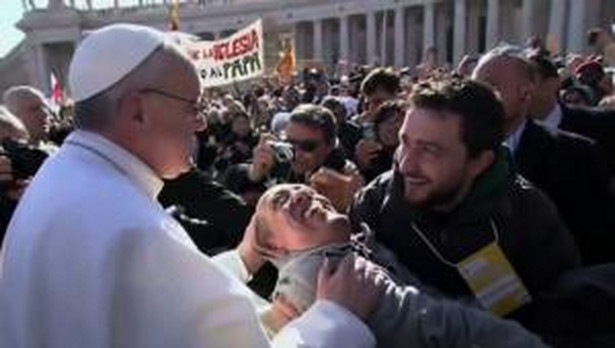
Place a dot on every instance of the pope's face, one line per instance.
(299, 218)
(171, 121)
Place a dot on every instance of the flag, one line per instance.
(287, 64)
(174, 16)
(56, 90)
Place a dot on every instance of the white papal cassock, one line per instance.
(92, 260)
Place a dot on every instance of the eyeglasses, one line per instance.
(305, 145)
(198, 105)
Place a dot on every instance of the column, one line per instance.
(383, 37)
(413, 33)
(400, 49)
(459, 30)
(557, 21)
(317, 40)
(527, 13)
(42, 69)
(344, 39)
(473, 33)
(493, 23)
(429, 26)
(444, 20)
(370, 53)
(576, 26)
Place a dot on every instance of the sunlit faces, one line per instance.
(241, 126)
(388, 130)
(432, 159)
(169, 123)
(307, 160)
(35, 115)
(375, 99)
(299, 218)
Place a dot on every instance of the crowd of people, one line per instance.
(427, 206)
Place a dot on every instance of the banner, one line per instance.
(233, 59)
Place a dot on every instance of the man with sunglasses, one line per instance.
(317, 156)
(91, 259)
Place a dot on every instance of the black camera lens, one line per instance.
(284, 152)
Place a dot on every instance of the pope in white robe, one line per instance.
(92, 260)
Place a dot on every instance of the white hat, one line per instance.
(107, 55)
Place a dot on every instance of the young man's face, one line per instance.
(433, 160)
(298, 218)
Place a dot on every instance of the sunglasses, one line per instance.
(305, 145)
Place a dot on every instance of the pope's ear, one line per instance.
(130, 107)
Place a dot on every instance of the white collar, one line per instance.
(513, 140)
(554, 118)
(124, 161)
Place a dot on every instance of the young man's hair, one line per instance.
(480, 110)
(316, 117)
(380, 79)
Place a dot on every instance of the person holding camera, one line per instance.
(310, 154)
(379, 86)
(374, 152)
(348, 133)
(16, 165)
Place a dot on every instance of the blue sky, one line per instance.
(9, 15)
(11, 12)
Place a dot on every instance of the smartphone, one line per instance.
(369, 131)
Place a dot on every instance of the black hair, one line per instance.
(389, 109)
(318, 117)
(380, 79)
(592, 36)
(480, 110)
(543, 66)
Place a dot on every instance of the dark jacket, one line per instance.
(349, 135)
(571, 170)
(7, 208)
(235, 150)
(594, 123)
(531, 234)
(215, 218)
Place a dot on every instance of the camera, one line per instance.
(25, 159)
(284, 152)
